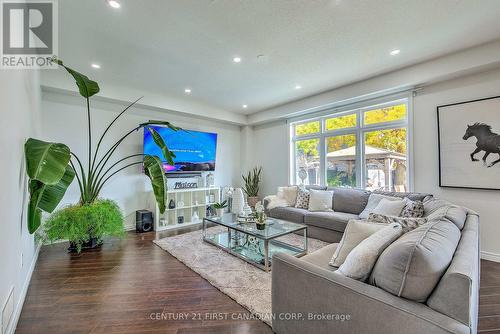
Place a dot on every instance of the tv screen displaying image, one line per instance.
(195, 151)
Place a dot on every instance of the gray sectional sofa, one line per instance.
(308, 296)
(329, 226)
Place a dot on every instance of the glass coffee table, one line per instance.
(248, 243)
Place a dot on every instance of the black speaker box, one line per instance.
(143, 221)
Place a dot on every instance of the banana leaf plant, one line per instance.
(52, 167)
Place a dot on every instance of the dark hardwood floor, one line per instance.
(126, 285)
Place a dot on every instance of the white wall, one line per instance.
(485, 202)
(271, 151)
(20, 102)
(64, 120)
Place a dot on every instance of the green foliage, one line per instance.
(50, 175)
(252, 180)
(393, 139)
(220, 205)
(153, 168)
(86, 87)
(341, 122)
(79, 223)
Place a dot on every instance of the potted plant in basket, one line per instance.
(51, 167)
(251, 187)
(219, 207)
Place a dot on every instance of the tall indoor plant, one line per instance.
(251, 186)
(52, 167)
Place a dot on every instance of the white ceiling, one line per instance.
(162, 47)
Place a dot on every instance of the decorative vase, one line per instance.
(180, 220)
(195, 218)
(238, 201)
(171, 204)
(220, 212)
(210, 180)
(252, 200)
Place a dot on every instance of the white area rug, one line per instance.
(247, 285)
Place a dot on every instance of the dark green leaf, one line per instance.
(162, 123)
(46, 162)
(153, 168)
(53, 194)
(86, 86)
(161, 144)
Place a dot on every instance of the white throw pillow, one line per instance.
(320, 200)
(289, 194)
(361, 260)
(274, 201)
(355, 232)
(389, 208)
(373, 201)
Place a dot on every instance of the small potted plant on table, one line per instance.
(260, 216)
(219, 207)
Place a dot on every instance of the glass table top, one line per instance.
(274, 227)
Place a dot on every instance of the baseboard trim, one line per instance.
(490, 256)
(22, 296)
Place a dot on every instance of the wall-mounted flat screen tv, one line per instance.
(195, 150)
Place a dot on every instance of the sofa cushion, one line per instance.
(389, 208)
(315, 187)
(413, 265)
(407, 223)
(336, 221)
(414, 209)
(289, 194)
(302, 198)
(437, 209)
(360, 261)
(355, 232)
(412, 196)
(322, 256)
(292, 214)
(349, 200)
(320, 200)
(373, 201)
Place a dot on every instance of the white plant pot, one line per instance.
(220, 212)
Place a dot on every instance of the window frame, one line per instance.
(359, 131)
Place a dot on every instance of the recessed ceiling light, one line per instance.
(114, 3)
(187, 90)
(395, 52)
(298, 87)
(244, 106)
(95, 65)
(237, 59)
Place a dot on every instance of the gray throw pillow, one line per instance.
(407, 223)
(360, 261)
(355, 232)
(302, 201)
(413, 209)
(413, 265)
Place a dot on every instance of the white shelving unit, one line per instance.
(194, 200)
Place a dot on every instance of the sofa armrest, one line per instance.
(309, 299)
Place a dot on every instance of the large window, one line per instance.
(365, 147)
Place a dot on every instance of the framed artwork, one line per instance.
(469, 144)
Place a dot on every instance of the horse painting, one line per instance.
(487, 141)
